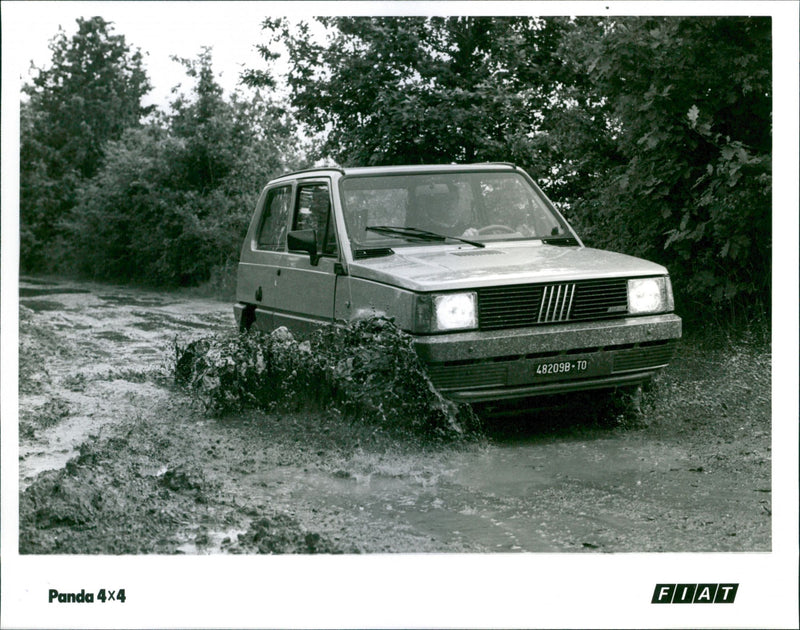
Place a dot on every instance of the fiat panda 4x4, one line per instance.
(499, 293)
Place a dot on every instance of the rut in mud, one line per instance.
(116, 459)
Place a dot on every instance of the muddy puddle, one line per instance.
(536, 498)
(97, 358)
(94, 370)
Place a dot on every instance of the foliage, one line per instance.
(654, 132)
(367, 370)
(690, 102)
(174, 197)
(389, 90)
(89, 95)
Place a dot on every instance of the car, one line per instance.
(500, 296)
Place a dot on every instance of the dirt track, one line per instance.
(114, 458)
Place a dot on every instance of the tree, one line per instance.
(173, 198)
(689, 100)
(410, 90)
(89, 95)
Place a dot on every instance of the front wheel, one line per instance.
(246, 316)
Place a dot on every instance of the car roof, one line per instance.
(399, 170)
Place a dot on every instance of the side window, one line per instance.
(272, 235)
(314, 213)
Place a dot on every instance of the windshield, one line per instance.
(481, 206)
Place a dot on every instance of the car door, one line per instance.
(305, 288)
(263, 253)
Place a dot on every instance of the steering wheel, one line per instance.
(496, 229)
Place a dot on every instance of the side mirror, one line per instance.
(304, 241)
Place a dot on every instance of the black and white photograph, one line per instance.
(400, 314)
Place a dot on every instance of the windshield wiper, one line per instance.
(423, 235)
(444, 236)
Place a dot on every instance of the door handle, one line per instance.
(259, 294)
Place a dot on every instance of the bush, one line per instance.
(690, 101)
(367, 370)
(169, 197)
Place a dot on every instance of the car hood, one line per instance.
(445, 267)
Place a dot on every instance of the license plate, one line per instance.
(563, 368)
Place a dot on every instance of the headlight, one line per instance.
(448, 311)
(650, 295)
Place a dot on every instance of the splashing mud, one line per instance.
(367, 370)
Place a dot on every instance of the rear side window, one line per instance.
(274, 222)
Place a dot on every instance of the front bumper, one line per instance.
(481, 366)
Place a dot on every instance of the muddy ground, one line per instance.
(114, 458)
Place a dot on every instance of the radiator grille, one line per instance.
(530, 304)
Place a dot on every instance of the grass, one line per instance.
(717, 390)
(713, 385)
(714, 401)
